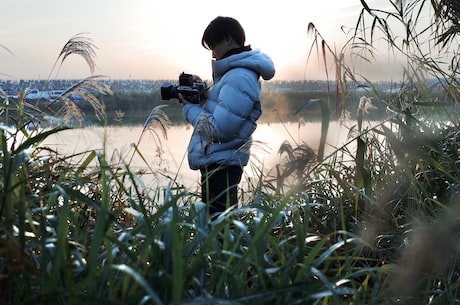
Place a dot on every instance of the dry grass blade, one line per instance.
(3, 94)
(11, 53)
(447, 20)
(6, 102)
(6, 49)
(245, 148)
(298, 160)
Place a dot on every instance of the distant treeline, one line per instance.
(133, 108)
(132, 100)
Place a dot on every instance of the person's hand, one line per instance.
(182, 100)
(197, 79)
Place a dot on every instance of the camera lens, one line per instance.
(168, 91)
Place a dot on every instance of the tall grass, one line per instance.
(374, 222)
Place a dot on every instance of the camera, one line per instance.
(194, 92)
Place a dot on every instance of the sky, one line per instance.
(146, 39)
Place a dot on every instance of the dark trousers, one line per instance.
(219, 187)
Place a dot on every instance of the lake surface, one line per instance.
(169, 155)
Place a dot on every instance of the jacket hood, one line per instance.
(254, 60)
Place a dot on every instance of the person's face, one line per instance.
(223, 47)
(219, 50)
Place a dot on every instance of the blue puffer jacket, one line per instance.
(224, 124)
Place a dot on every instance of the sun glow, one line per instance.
(157, 40)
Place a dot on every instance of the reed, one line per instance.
(374, 222)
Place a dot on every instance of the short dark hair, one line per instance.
(219, 29)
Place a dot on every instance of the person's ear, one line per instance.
(229, 39)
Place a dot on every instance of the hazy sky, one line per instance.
(146, 39)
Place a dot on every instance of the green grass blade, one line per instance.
(141, 281)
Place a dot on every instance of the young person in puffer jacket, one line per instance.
(224, 123)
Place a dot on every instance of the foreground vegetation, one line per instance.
(376, 222)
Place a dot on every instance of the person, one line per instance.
(224, 122)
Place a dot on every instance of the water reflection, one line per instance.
(168, 156)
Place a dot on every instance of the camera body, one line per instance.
(194, 92)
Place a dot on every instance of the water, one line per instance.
(169, 155)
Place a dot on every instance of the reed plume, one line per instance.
(78, 45)
(206, 130)
(157, 119)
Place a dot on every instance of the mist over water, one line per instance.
(168, 156)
